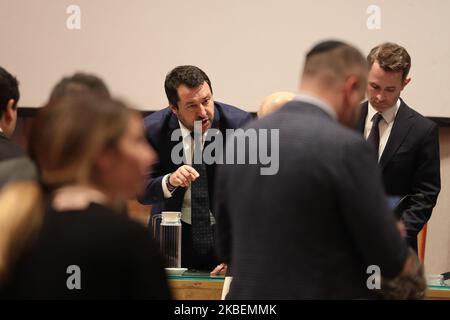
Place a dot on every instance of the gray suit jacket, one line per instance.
(14, 164)
(311, 230)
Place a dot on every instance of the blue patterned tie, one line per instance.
(202, 236)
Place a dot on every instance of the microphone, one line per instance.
(401, 205)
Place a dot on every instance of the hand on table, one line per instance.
(221, 269)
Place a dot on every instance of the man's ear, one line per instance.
(352, 88)
(352, 93)
(10, 112)
(174, 109)
(405, 82)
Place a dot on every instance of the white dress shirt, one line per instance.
(188, 155)
(385, 125)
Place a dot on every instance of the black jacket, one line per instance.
(410, 164)
(117, 259)
(14, 164)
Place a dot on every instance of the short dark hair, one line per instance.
(324, 46)
(80, 83)
(391, 57)
(190, 76)
(332, 55)
(9, 89)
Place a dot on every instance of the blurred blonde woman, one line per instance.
(63, 239)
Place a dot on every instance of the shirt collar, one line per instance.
(185, 132)
(388, 114)
(317, 102)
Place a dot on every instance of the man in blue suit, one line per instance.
(188, 187)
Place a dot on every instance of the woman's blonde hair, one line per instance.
(64, 141)
(68, 134)
(20, 218)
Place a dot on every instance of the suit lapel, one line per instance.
(173, 125)
(216, 121)
(215, 125)
(402, 126)
(174, 203)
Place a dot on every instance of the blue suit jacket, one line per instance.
(159, 127)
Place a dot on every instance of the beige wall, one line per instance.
(249, 48)
(437, 253)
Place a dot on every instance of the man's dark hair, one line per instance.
(190, 76)
(80, 83)
(333, 57)
(324, 47)
(9, 89)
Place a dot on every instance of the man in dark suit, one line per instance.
(14, 165)
(407, 144)
(188, 187)
(312, 230)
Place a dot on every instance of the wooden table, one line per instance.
(208, 288)
(198, 287)
(438, 293)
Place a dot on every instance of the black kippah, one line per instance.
(324, 47)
